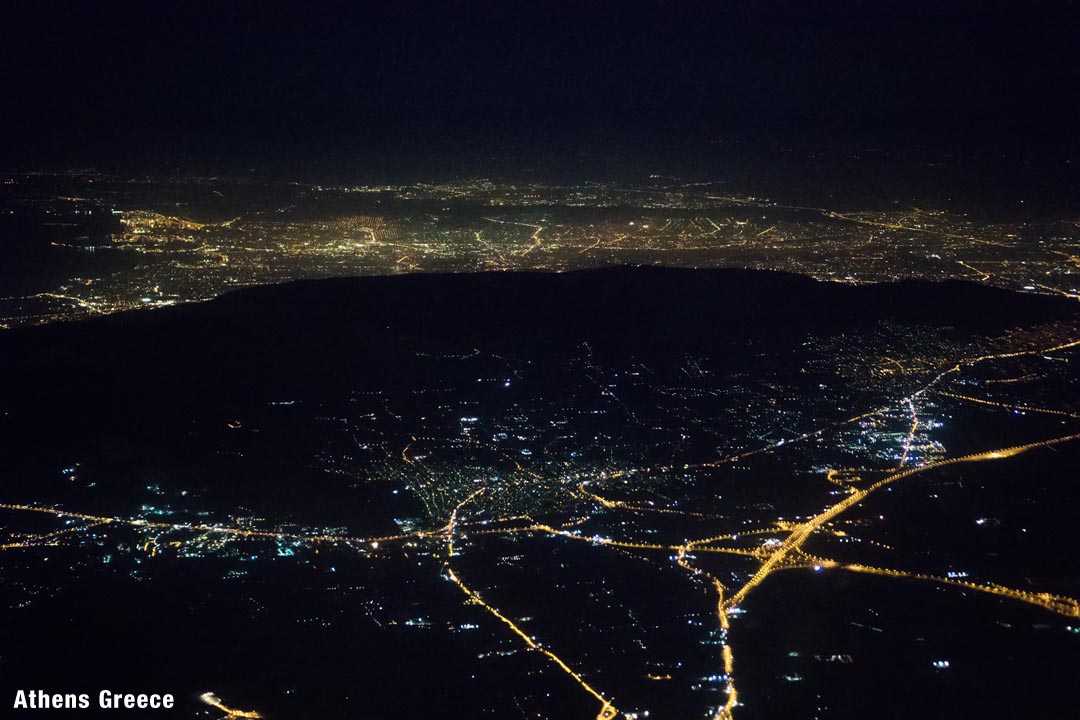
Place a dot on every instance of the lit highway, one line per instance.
(476, 475)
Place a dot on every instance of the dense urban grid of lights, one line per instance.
(166, 257)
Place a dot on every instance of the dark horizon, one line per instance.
(347, 89)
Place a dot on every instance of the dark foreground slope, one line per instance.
(345, 330)
(125, 379)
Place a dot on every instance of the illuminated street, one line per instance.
(537, 361)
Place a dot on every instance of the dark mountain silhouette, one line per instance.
(363, 330)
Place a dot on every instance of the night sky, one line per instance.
(235, 82)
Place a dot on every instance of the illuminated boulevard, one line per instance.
(786, 555)
(465, 509)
